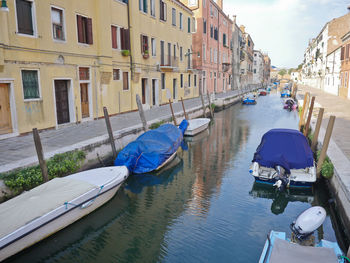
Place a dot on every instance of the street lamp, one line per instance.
(190, 53)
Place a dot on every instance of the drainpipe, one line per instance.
(130, 56)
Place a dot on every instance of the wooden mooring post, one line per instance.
(301, 120)
(110, 132)
(203, 105)
(39, 151)
(317, 130)
(325, 144)
(211, 110)
(172, 112)
(306, 127)
(142, 114)
(183, 107)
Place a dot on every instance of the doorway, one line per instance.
(62, 102)
(144, 90)
(174, 89)
(155, 92)
(5, 110)
(84, 97)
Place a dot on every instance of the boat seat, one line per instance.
(286, 252)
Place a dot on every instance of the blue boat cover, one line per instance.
(284, 147)
(152, 148)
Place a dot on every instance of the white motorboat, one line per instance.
(50, 207)
(196, 126)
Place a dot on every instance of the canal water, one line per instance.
(204, 208)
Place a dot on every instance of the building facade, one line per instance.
(344, 90)
(61, 62)
(267, 69)
(247, 58)
(236, 62)
(211, 45)
(258, 68)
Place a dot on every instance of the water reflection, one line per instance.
(279, 199)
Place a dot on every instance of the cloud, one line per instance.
(283, 27)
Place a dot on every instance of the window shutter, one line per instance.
(161, 9)
(141, 41)
(145, 6)
(89, 31)
(24, 17)
(127, 39)
(114, 37)
(342, 53)
(80, 29)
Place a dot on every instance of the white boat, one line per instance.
(196, 126)
(50, 207)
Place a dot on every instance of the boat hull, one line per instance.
(292, 183)
(59, 218)
(196, 126)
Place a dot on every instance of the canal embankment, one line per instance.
(92, 137)
(339, 145)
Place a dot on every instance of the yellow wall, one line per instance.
(61, 59)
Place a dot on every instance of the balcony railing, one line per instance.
(169, 63)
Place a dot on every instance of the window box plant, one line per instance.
(145, 54)
(125, 52)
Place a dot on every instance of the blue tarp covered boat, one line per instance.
(288, 149)
(249, 101)
(151, 149)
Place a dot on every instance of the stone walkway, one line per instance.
(18, 151)
(337, 106)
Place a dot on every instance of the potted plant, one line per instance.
(125, 52)
(145, 53)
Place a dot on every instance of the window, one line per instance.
(181, 53)
(125, 80)
(57, 23)
(181, 21)
(163, 80)
(194, 25)
(162, 10)
(30, 84)
(124, 39)
(153, 42)
(248, 43)
(211, 55)
(173, 16)
(216, 33)
(204, 3)
(211, 10)
(255, 71)
(174, 52)
(188, 25)
(224, 40)
(211, 31)
(189, 80)
(181, 80)
(144, 44)
(84, 30)
(25, 22)
(143, 5)
(204, 53)
(116, 74)
(204, 26)
(153, 8)
(115, 37)
(195, 80)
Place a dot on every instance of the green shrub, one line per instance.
(212, 106)
(327, 170)
(156, 125)
(58, 166)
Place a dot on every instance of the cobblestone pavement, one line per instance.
(15, 149)
(337, 106)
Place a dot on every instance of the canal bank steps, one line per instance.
(92, 138)
(339, 146)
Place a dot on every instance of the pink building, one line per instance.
(211, 45)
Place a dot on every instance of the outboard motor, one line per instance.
(308, 221)
(281, 178)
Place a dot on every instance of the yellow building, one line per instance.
(61, 62)
(161, 40)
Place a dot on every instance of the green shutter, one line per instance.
(189, 24)
(30, 84)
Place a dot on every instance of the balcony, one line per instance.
(169, 63)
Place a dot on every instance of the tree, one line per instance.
(282, 72)
(290, 71)
(300, 66)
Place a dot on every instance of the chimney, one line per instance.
(220, 4)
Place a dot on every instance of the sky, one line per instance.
(282, 28)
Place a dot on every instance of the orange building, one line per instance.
(344, 90)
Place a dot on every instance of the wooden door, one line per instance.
(153, 92)
(5, 110)
(62, 105)
(84, 96)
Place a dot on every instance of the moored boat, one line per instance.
(284, 159)
(301, 247)
(196, 126)
(262, 92)
(50, 207)
(290, 104)
(153, 149)
(249, 100)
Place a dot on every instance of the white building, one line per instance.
(258, 67)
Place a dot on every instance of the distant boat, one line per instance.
(152, 149)
(284, 159)
(249, 100)
(50, 207)
(301, 247)
(262, 92)
(196, 126)
(290, 104)
(285, 93)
